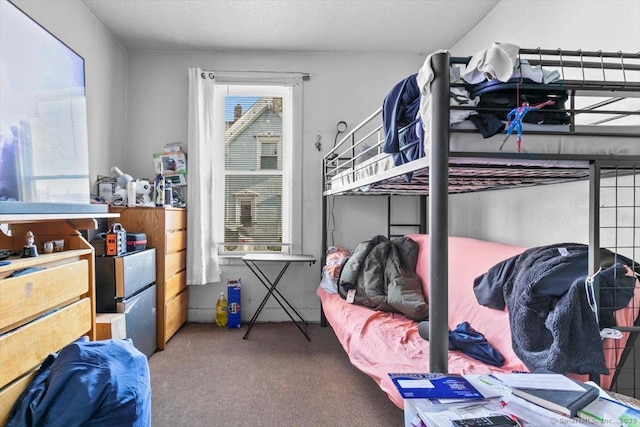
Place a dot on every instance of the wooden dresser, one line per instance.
(48, 306)
(166, 230)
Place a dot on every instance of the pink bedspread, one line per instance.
(378, 342)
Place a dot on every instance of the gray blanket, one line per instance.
(556, 332)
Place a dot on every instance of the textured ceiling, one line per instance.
(406, 26)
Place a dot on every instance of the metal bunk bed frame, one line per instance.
(438, 164)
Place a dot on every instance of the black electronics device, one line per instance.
(499, 421)
(5, 253)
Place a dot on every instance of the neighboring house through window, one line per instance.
(258, 174)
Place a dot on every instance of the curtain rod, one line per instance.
(211, 73)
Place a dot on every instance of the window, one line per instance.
(246, 215)
(258, 154)
(268, 152)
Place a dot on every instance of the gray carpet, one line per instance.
(210, 376)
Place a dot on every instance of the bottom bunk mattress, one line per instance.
(379, 343)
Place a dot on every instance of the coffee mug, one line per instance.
(58, 245)
(48, 247)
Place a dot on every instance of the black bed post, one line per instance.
(594, 234)
(423, 214)
(438, 216)
(323, 251)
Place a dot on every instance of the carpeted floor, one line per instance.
(210, 376)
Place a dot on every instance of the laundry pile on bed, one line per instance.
(483, 91)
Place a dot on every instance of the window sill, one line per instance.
(231, 259)
(234, 259)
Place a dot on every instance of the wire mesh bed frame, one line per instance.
(609, 77)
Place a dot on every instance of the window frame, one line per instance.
(289, 88)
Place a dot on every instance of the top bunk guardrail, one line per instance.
(597, 94)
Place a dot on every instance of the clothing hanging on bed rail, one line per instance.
(403, 136)
(552, 324)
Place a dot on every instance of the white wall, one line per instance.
(546, 214)
(105, 75)
(341, 87)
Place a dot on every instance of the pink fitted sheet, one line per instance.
(378, 342)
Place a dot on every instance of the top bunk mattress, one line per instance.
(550, 139)
(540, 149)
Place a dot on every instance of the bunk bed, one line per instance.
(589, 130)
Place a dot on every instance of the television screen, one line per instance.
(43, 115)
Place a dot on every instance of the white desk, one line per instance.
(285, 259)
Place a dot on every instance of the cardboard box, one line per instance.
(233, 301)
(110, 325)
(174, 165)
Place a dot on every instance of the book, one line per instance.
(434, 386)
(565, 402)
(610, 412)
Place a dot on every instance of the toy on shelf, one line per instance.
(29, 249)
(122, 179)
(143, 193)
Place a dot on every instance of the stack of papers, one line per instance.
(437, 400)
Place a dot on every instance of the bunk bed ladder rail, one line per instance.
(398, 229)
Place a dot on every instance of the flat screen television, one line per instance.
(44, 159)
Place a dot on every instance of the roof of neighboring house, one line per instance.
(247, 118)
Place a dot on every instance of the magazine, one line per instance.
(434, 386)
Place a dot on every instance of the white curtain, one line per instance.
(202, 252)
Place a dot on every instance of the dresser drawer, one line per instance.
(31, 294)
(175, 219)
(175, 241)
(174, 262)
(175, 284)
(11, 393)
(45, 335)
(175, 313)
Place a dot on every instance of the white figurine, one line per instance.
(29, 249)
(143, 193)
